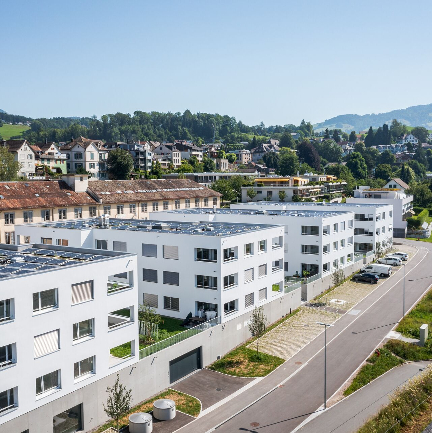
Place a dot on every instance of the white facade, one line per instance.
(172, 276)
(56, 322)
(373, 223)
(315, 242)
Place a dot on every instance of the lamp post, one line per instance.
(326, 325)
(403, 295)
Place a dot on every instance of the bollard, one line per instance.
(423, 334)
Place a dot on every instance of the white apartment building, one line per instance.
(59, 321)
(207, 269)
(373, 223)
(316, 242)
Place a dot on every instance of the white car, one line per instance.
(399, 254)
(390, 260)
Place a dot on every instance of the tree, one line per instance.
(251, 193)
(185, 167)
(329, 151)
(81, 170)
(282, 195)
(288, 162)
(422, 194)
(371, 156)
(8, 166)
(257, 324)
(119, 164)
(221, 154)
(383, 171)
(397, 129)
(308, 154)
(336, 136)
(225, 188)
(369, 140)
(421, 133)
(420, 156)
(118, 402)
(326, 134)
(386, 158)
(357, 165)
(407, 174)
(379, 137)
(209, 165)
(286, 140)
(271, 160)
(232, 157)
(352, 137)
(156, 170)
(193, 161)
(387, 139)
(419, 169)
(148, 315)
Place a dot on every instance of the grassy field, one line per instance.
(8, 131)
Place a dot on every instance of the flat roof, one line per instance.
(318, 204)
(176, 227)
(22, 260)
(271, 212)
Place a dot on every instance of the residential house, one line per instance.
(24, 154)
(244, 156)
(408, 138)
(49, 155)
(259, 151)
(188, 149)
(167, 153)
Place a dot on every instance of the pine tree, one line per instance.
(379, 137)
(326, 134)
(336, 136)
(352, 137)
(369, 140)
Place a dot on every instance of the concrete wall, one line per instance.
(150, 375)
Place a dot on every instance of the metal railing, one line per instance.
(113, 287)
(170, 341)
(312, 278)
(292, 285)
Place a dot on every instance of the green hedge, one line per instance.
(414, 223)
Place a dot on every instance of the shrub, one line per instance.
(413, 223)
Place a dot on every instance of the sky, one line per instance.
(275, 61)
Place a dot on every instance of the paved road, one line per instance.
(284, 399)
(352, 412)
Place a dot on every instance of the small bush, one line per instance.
(409, 351)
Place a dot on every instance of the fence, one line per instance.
(292, 285)
(313, 278)
(170, 341)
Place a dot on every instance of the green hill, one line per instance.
(8, 131)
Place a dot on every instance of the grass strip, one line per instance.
(184, 403)
(375, 366)
(409, 351)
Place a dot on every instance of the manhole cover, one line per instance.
(218, 389)
(298, 363)
(254, 424)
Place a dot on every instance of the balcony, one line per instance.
(119, 318)
(119, 282)
(114, 287)
(121, 353)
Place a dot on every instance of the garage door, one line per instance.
(185, 364)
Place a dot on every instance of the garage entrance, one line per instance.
(185, 364)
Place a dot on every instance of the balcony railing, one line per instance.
(113, 287)
(115, 321)
(168, 342)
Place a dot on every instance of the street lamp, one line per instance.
(403, 295)
(326, 325)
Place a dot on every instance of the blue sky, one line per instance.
(276, 61)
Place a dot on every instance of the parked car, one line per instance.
(377, 269)
(400, 255)
(390, 260)
(366, 277)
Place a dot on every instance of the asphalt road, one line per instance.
(285, 398)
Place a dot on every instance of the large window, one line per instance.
(230, 254)
(84, 367)
(177, 204)
(132, 209)
(310, 230)
(248, 249)
(6, 355)
(171, 278)
(120, 209)
(155, 206)
(262, 294)
(45, 215)
(149, 250)
(171, 303)
(47, 382)
(78, 212)
(187, 203)
(262, 270)
(165, 205)
(262, 246)
(107, 210)
(230, 281)
(9, 218)
(101, 244)
(119, 246)
(206, 255)
(68, 421)
(44, 300)
(28, 216)
(143, 207)
(83, 329)
(206, 282)
(5, 310)
(7, 400)
(151, 300)
(230, 307)
(310, 249)
(150, 275)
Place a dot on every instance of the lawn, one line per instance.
(167, 328)
(184, 403)
(8, 131)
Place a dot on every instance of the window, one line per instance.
(350, 240)
(214, 201)
(248, 275)
(230, 307)
(262, 246)
(78, 155)
(310, 230)
(249, 300)
(46, 241)
(7, 400)
(68, 421)
(62, 214)
(47, 382)
(335, 245)
(6, 357)
(132, 209)
(262, 294)
(120, 246)
(171, 278)
(205, 202)
(350, 224)
(335, 228)
(197, 202)
(10, 238)
(342, 260)
(230, 281)
(165, 205)
(391, 213)
(150, 275)
(45, 299)
(177, 204)
(151, 300)
(143, 207)
(78, 212)
(262, 270)
(206, 255)
(149, 250)
(187, 203)
(62, 242)
(230, 254)
(28, 216)
(310, 249)
(335, 264)
(342, 243)
(326, 230)
(171, 303)
(26, 239)
(277, 265)
(9, 218)
(326, 267)
(342, 226)
(277, 242)
(248, 249)
(107, 210)
(5, 310)
(47, 343)
(82, 292)
(155, 206)
(92, 211)
(206, 282)
(120, 209)
(286, 266)
(170, 252)
(326, 249)
(101, 244)
(83, 329)
(92, 165)
(84, 367)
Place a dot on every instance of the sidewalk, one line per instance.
(350, 414)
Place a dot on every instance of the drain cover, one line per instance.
(254, 424)
(218, 389)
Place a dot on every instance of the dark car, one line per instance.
(366, 277)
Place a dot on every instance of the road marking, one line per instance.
(353, 312)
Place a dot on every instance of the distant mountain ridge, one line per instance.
(2, 111)
(418, 115)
